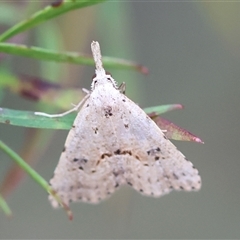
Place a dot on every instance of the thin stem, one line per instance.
(67, 57)
(32, 173)
(5, 207)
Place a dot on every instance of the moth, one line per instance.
(113, 142)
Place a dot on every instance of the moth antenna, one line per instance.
(97, 58)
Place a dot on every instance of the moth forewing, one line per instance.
(113, 142)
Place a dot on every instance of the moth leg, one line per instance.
(76, 107)
(122, 88)
(86, 91)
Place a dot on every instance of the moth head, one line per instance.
(102, 78)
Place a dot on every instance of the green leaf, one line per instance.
(162, 109)
(67, 57)
(29, 119)
(45, 14)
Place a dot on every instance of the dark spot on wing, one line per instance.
(116, 185)
(126, 125)
(126, 152)
(117, 152)
(123, 100)
(95, 130)
(156, 158)
(81, 168)
(105, 155)
(153, 151)
(108, 111)
(98, 162)
(75, 159)
(129, 183)
(175, 176)
(73, 126)
(140, 190)
(64, 149)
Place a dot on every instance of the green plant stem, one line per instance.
(5, 207)
(41, 181)
(45, 14)
(35, 176)
(68, 57)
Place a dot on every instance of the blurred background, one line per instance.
(192, 51)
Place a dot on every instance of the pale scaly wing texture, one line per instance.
(113, 142)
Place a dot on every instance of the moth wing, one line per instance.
(154, 166)
(116, 143)
(83, 172)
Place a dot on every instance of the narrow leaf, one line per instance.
(5, 207)
(29, 119)
(45, 14)
(68, 57)
(175, 132)
(162, 109)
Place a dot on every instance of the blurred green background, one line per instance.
(193, 53)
